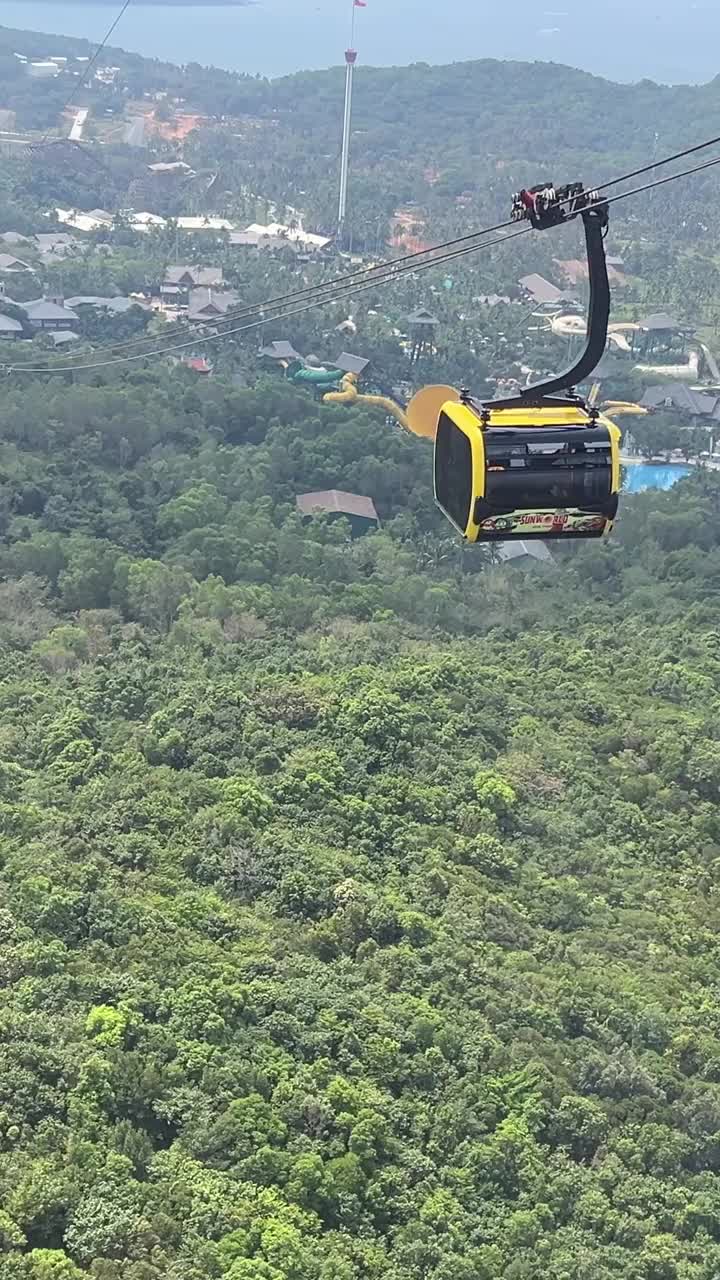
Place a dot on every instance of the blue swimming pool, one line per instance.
(640, 476)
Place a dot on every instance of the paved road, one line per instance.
(78, 124)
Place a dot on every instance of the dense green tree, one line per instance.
(358, 894)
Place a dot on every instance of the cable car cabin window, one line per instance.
(557, 471)
(453, 472)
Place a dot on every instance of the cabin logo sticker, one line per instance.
(550, 523)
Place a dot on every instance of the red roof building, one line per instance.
(356, 508)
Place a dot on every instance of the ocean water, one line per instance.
(640, 476)
(656, 39)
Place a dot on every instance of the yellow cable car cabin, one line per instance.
(541, 464)
(522, 473)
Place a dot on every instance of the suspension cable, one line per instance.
(661, 182)
(296, 295)
(391, 273)
(658, 164)
(309, 290)
(80, 84)
(350, 289)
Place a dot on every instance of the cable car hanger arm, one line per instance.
(546, 206)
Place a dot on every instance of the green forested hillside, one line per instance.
(474, 130)
(359, 899)
(422, 135)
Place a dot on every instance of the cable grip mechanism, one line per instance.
(546, 205)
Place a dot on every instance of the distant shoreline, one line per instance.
(166, 4)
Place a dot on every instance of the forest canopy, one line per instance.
(359, 905)
(358, 894)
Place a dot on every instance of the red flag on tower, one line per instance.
(360, 4)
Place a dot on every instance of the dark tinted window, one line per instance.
(548, 468)
(555, 486)
(453, 472)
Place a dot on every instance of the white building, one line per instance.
(42, 70)
(145, 221)
(202, 223)
(296, 235)
(95, 220)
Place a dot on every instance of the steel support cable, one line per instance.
(297, 294)
(649, 186)
(348, 290)
(661, 182)
(93, 60)
(390, 275)
(658, 164)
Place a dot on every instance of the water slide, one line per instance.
(614, 407)
(349, 394)
(617, 408)
(318, 376)
(690, 369)
(346, 392)
(575, 327)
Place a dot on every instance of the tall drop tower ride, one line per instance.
(350, 60)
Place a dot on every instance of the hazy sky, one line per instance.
(623, 39)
